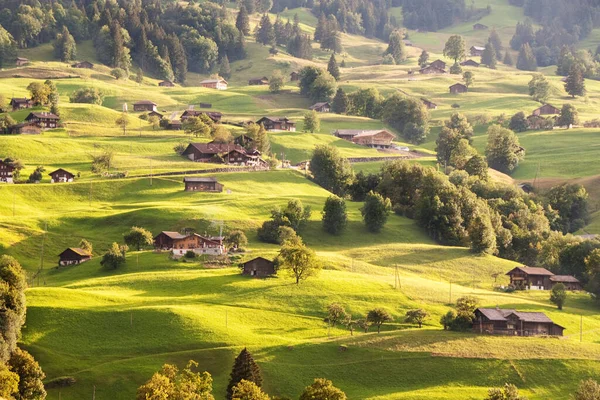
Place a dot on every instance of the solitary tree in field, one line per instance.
(455, 48)
(518, 122)
(423, 59)
(114, 257)
(335, 313)
(469, 78)
(588, 390)
(154, 121)
(375, 211)
(575, 84)
(378, 317)
(539, 88)
(416, 317)
(312, 122)
(236, 239)
(123, 122)
(247, 390)
(300, 261)
(558, 295)
(489, 56)
(138, 238)
(322, 389)
(244, 368)
(335, 217)
(332, 67)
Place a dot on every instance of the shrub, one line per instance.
(190, 254)
(87, 96)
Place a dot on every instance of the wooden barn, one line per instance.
(25, 128)
(458, 88)
(530, 278)
(83, 64)
(429, 104)
(43, 119)
(20, 61)
(469, 63)
(497, 321)
(259, 267)
(431, 70)
(376, 138)
(179, 244)
(174, 125)
(277, 124)
(73, 256)
(546, 109)
(61, 176)
(258, 81)
(476, 51)
(202, 184)
(219, 84)
(166, 84)
(20, 103)
(155, 114)
(323, 107)
(294, 76)
(438, 64)
(6, 172)
(570, 282)
(144, 105)
(479, 27)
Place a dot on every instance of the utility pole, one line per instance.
(150, 172)
(94, 393)
(14, 200)
(450, 292)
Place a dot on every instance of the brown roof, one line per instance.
(532, 271)
(144, 102)
(276, 119)
(78, 251)
(42, 114)
(60, 170)
(532, 316)
(318, 105)
(458, 85)
(257, 258)
(199, 179)
(500, 314)
(173, 235)
(564, 278)
(215, 148)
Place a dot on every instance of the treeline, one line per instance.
(432, 15)
(165, 39)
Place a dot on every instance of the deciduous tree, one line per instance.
(568, 116)
(503, 150)
(312, 122)
(322, 389)
(575, 84)
(114, 257)
(340, 102)
(416, 317)
(539, 88)
(455, 48)
(375, 211)
(558, 295)
(298, 260)
(335, 217)
(378, 317)
(330, 170)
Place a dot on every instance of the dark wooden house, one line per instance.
(431, 70)
(213, 115)
(6, 172)
(73, 256)
(294, 76)
(530, 278)
(179, 244)
(20, 103)
(61, 176)
(43, 119)
(209, 152)
(438, 64)
(458, 88)
(20, 61)
(497, 321)
(429, 104)
(166, 84)
(469, 63)
(259, 267)
(480, 27)
(570, 282)
(25, 128)
(155, 114)
(323, 107)
(200, 184)
(83, 64)
(174, 125)
(277, 124)
(258, 81)
(476, 51)
(166, 240)
(546, 109)
(144, 105)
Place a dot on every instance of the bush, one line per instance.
(455, 105)
(87, 96)
(119, 73)
(388, 60)
(190, 254)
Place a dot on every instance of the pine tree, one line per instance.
(496, 42)
(526, 60)
(178, 58)
(320, 29)
(330, 38)
(575, 84)
(250, 6)
(333, 68)
(423, 59)
(396, 47)
(242, 21)
(65, 48)
(489, 56)
(279, 30)
(265, 33)
(224, 67)
(508, 60)
(340, 102)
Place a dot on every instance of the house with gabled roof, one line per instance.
(179, 244)
(202, 184)
(277, 124)
(6, 172)
(469, 63)
(73, 256)
(20, 103)
(375, 138)
(215, 116)
(259, 267)
(43, 119)
(145, 105)
(546, 109)
(524, 277)
(323, 107)
(498, 321)
(61, 176)
(219, 84)
(476, 51)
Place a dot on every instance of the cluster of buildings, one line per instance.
(497, 321)
(7, 172)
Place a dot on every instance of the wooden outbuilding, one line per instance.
(43, 119)
(175, 125)
(546, 109)
(376, 138)
(429, 104)
(24, 128)
(259, 267)
(6, 172)
(294, 76)
(530, 278)
(73, 256)
(258, 81)
(438, 64)
(155, 114)
(570, 282)
(480, 27)
(277, 124)
(219, 84)
(20, 103)
(83, 64)
(476, 51)
(458, 88)
(179, 243)
(20, 61)
(431, 70)
(202, 184)
(497, 321)
(323, 107)
(166, 84)
(144, 105)
(213, 115)
(61, 176)
(470, 63)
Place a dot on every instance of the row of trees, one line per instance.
(337, 314)
(297, 42)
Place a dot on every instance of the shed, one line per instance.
(570, 282)
(480, 27)
(83, 64)
(469, 63)
(429, 104)
(219, 84)
(458, 88)
(323, 107)
(73, 256)
(144, 105)
(431, 70)
(258, 81)
(201, 184)
(61, 176)
(259, 267)
(546, 109)
(294, 76)
(166, 84)
(21, 61)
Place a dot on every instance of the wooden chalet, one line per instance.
(73, 256)
(20, 103)
(323, 107)
(213, 115)
(61, 176)
(223, 153)
(6, 172)
(175, 125)
(294, 76)
(83, 64)
(570, 282)
(479, 27)
(277, 124)
(546, 109)
(438, 64)
(155, 114)
(219, 84)
(202, 184)
(530, 278)
(431, 70)
(469, 63)
(429, 104)
(43, 119)
(179, 244)
(166, 84)
(258, 81)
(497, 321)
(377, 139)
(20, 61)
(259, 267)
(24, 128)
(458, 88)
(144, 105)
(476, 51)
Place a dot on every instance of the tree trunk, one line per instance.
(379, 328)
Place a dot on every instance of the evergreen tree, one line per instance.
(423, 59)
(526, 60)
(65, 48)
(340, 102)
(508, 59)
(224, 67)
(281, 37)
(496, 42)
(242, 21)
(575, 84)
(396, 47)
(321, 27)
(333, 68)
(244, 367)
(489, 56)
(330, 38)
(179, 63)
(565, 61)
(265, 33)
(335, 217)
(250, 6)
(299, 46)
